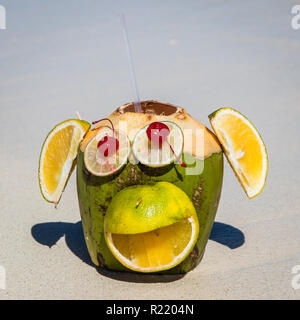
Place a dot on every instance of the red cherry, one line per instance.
(157, 133)
(108, 145)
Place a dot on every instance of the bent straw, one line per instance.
(137, 102)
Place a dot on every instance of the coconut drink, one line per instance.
(149, 182)
(202, 184)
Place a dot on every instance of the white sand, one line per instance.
(58, 58)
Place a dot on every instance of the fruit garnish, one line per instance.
(157, 133)
(158, 144)
(243, 147)
(57, 157)
(107, 152)
(108, 145)
(151, 228)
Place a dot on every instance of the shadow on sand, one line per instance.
(50, 232)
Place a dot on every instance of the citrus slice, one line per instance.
(243, 147)
(102, 163)
(151, 228)
(156, 250)
(155, 154)
(57, 158)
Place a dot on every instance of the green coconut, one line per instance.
(201, 180)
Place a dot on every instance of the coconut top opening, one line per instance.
(125, 116)
(151, 107)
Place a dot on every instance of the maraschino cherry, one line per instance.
(158, 133)
(108, 145)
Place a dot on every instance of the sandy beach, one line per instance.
(58, 57)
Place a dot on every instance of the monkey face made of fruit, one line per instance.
(149, 183)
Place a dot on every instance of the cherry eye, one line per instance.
(158, 132)
(108, 146)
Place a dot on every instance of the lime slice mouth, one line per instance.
(100, 164)
(151, 228)
(156, 250)
(155, 155)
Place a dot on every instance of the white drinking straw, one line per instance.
(78, 115)
(137, 102)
